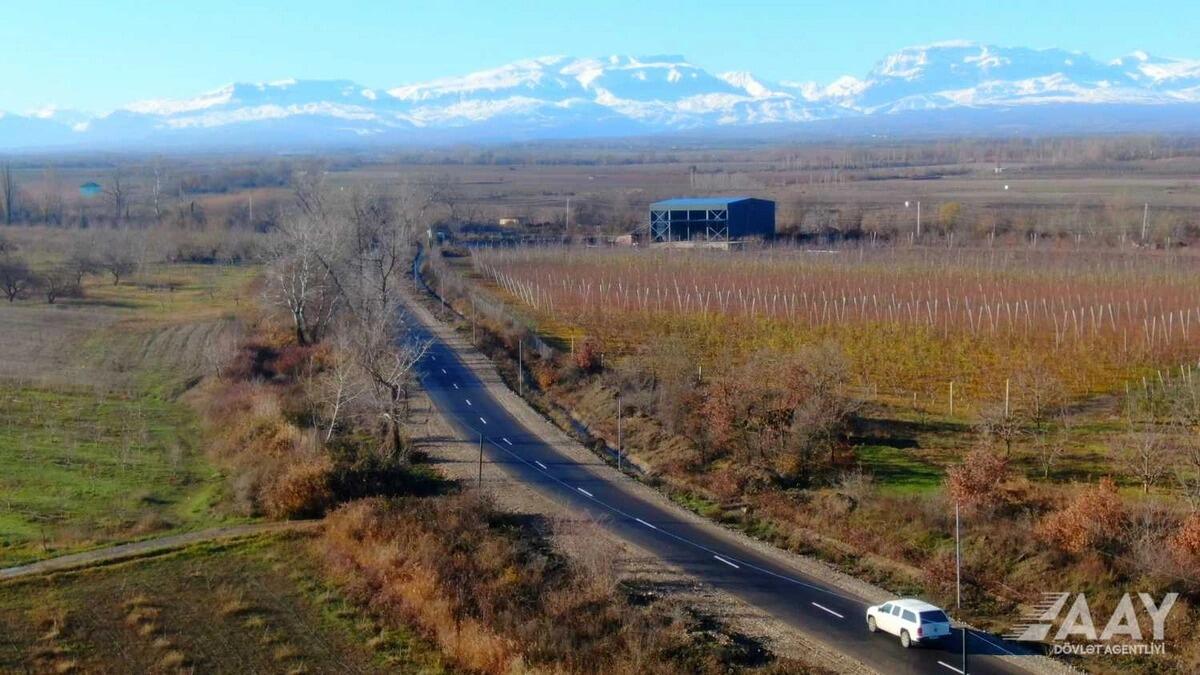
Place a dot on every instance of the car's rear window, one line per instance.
(934, 616)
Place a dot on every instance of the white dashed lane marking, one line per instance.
(506, 441)
(544, 467)
(826, 609)
(467, 400)
(734, 566)
(483, 420)
(947, 665)
(646, 524)
(586, 492)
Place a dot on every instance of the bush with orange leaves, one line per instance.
(1185, 543)
(1093, 519)
(301, 491)
(978, 481)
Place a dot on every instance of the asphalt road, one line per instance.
(817, 609)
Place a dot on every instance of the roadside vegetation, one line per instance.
(805, 399)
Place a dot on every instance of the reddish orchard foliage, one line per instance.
(978, 481)
(908, 318)
(1093, 518)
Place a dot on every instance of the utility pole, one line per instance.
(251, 199)
(568, 218)
(951, 398)
(619, 435)
(957, 560)
(918, 219)
(958, 583)
(1145, 217)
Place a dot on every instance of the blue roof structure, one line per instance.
(697, 202)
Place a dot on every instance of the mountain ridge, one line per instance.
(557, 97)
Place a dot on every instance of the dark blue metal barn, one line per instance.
(711, 219)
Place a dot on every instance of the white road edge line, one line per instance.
(736, 567)
(823, 608)
(544, 467)
(586, 492)
(653, 527)
(947, 665)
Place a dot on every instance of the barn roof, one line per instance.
(697, 202)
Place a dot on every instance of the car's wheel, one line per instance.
(905, 640)
(871, 624)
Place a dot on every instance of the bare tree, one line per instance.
(1040, 396)
(16, 278)
(156, 187)
(299, 279)
(82, 259)
(341, 385)
(117, 195)
(119, 256)
(996, 426)
(52, 207)
(1186, 467)
(308, 186)
(1145, 458)
(388, 365)
(1050, 445)
(8, 193)
(59, 282)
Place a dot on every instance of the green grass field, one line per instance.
(96, 446)
(256, 605)
(83, 467)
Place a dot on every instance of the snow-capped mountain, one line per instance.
(564, 97)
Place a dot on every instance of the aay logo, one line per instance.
(1041, 619)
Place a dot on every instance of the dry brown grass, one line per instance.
(491, 594)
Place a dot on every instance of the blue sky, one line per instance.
(98, 54)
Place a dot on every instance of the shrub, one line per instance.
(1092, 519)
(978, 481)
(587, 356)
(1185, 543)
(302, 491)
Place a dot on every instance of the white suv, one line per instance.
(914, 621)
